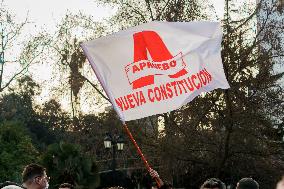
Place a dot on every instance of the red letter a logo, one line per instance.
(151, 41)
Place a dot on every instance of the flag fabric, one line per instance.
(157, 67)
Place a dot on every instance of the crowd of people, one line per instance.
(215, 183)
(34, 176)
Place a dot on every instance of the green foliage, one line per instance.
(66, 162)
(18, 105)
(52, 116)
(17, 150)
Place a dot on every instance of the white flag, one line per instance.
(157, 67)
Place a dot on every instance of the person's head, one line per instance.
(280, 184)
(247, 183)
(10, 185)
(213, 183)
(66, 186)
(166, 186)
(34, 177)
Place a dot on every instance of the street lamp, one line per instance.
(107, 141)
(120, 143)
(117, 143)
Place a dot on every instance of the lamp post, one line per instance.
(116, 143)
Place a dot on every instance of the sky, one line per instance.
(47, 13)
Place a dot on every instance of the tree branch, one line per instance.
(149, 8)
(163, 9)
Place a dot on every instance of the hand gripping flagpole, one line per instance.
(140, 152)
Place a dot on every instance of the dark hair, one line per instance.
(213, 183)
(31, 171)
(66, 185)
(247, 183)
(166, 186)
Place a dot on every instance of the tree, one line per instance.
(234, 133)
(132, 13)
(226, 133)
(19, 105)
(10, 34)
(53, 116)
(70, 58)
(17, 150)
(65, 162)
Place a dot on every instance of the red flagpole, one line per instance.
(139, 152)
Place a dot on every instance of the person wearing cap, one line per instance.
(34, 177)
(213, 183)
(247, 183)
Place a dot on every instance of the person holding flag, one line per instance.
(154, 174)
